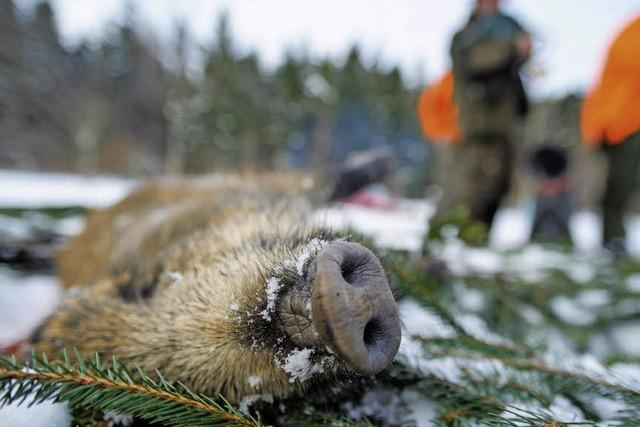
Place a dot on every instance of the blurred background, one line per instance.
(146, 88)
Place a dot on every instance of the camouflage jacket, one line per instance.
(488, 88)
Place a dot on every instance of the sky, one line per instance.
(570, 36)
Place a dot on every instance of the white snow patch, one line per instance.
(45, 414)
(469, 298)
(299, 366)
(381, 404)
(625, 336)
(570, 311)
(175, 276)
(313, 245)
(511, 227)
(273, 287)
(25, 301)
(531, 314)
(607, 409)
(586, 231)
(254, 381)
(251, 399)
(114, 419)
(402, 227)
(422, 411)
(633, 283)
(563, 410)
(594, 298)
(37, 189)
(417, 320)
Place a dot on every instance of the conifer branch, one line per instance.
(422, 294)
(90, 385)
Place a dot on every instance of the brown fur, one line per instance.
(158, 213)
(185, 291)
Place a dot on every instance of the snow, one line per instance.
(114, 419)
(379, 404)
(633, 282)
(398, 228)
(31, 223)
(251, 399)
(273, 287)
(24, 302)
(45, 414)
(570, 311)
(254, 381)
(422, 411)
(299, 366)
(37, 190)
(626, 337)
(512, 228)
(562, 409)
(312, 247)
(175, 276)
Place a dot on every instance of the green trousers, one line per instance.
(477, 174)
(623, 160)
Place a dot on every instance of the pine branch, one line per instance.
(470, 348)
(90, 385)
(424, 295)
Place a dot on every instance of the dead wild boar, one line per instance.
(225, 284)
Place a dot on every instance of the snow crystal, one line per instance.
(313, 245)
(633, 283)
(380, 404)
(114, 419)
(417, 320)
(299, 366)
(563, 410)
(607, 408)
(254, 381)
(531, 314)
(569, 311)
(469, 298)
(251, 399)
(45, 414)
(627, 374)
(422, 411)
(594, 298)
(273, 287)
(175, 276)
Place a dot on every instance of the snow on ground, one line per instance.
(24, 302)
(45, 414)
(37, 190)
(400, 228)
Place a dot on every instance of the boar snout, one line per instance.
(354, 311)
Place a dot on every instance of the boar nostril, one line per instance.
(372, 332)
(354, 311)
(348, 271)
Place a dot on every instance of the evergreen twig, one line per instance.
(91, 385)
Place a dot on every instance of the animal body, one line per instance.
(223, 283)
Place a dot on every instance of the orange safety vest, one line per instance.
(437, 112)
(611, 109)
